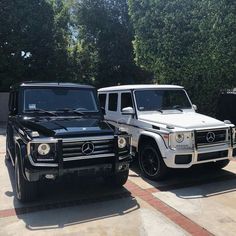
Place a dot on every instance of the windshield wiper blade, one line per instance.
(159, 110)
(177, 107)
(71, 110)
(41, 110)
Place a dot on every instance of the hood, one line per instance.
(66, 127)
(186, 120)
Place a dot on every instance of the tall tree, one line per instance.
(191, 43)
(105, 28)
(33, 41)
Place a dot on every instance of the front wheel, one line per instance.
(119, 179)
(25, 191)
(151, 163)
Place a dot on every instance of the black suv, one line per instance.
(58, 128)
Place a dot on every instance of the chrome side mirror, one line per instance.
(195, 107)
(127, 111)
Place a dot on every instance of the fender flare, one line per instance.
(157, 138)
(21, 148)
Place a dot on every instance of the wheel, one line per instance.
(119, 179)
(220, 164)
(25, 191)
(151, 163)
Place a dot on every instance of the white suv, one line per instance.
(166, 130)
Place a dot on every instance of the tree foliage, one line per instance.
(191, 43)
(105, 33)
(33, 41)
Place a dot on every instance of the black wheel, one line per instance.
(220, 164)
(25, 191)
(151, 163)
(118, 179)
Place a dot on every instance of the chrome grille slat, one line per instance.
(73, 150)
(220, 137)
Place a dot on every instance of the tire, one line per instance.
(151, 163)
(25, 191)
(220, 164)
(119, 179)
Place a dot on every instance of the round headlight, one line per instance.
(43, 149)
(179, 138)
(121, 142)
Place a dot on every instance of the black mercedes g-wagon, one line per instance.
(55, 129)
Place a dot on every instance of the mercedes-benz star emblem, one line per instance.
(88, 148)
(210, 137)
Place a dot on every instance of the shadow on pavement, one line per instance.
(72, 201)
(196, 182)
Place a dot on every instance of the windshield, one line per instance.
(154, 100)
(56, 99)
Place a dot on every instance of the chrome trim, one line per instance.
(41, 164)
(84, 139)
(124, 157)
(227, 143)
(88, 157)
(44, 140)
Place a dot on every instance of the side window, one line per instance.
(113, 97)
(102, 99)
(126, 100)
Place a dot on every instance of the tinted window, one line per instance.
(113, 97)
(102, 99)
(126, 100)
(151, 100)
(52, 99)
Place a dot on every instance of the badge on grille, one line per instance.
(210, 137)
(87, 148)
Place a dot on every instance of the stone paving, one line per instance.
(197, 201)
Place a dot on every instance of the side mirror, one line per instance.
(127, 111)
(195, 107)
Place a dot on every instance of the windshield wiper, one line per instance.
(71, 110)
(177, 107)
(41, 110)
(159, 110)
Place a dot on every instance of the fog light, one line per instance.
(50, 176)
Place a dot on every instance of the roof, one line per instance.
(139, 86)
(50, 84)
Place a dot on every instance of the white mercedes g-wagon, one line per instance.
(166, 130)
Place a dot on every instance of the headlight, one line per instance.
(44, 149)
(122, 142)
(179, 138)
(182, 140)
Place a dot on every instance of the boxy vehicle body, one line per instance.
(56, 129)
(166, 130)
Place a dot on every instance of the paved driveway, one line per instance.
(198, 201)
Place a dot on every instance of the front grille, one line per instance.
(212, 155)
(211, 137)
(74, 150)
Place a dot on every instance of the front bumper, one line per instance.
(188, 158)
(92, 170)
(108, 162)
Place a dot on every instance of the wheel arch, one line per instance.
(148, 137)
(20, 153)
